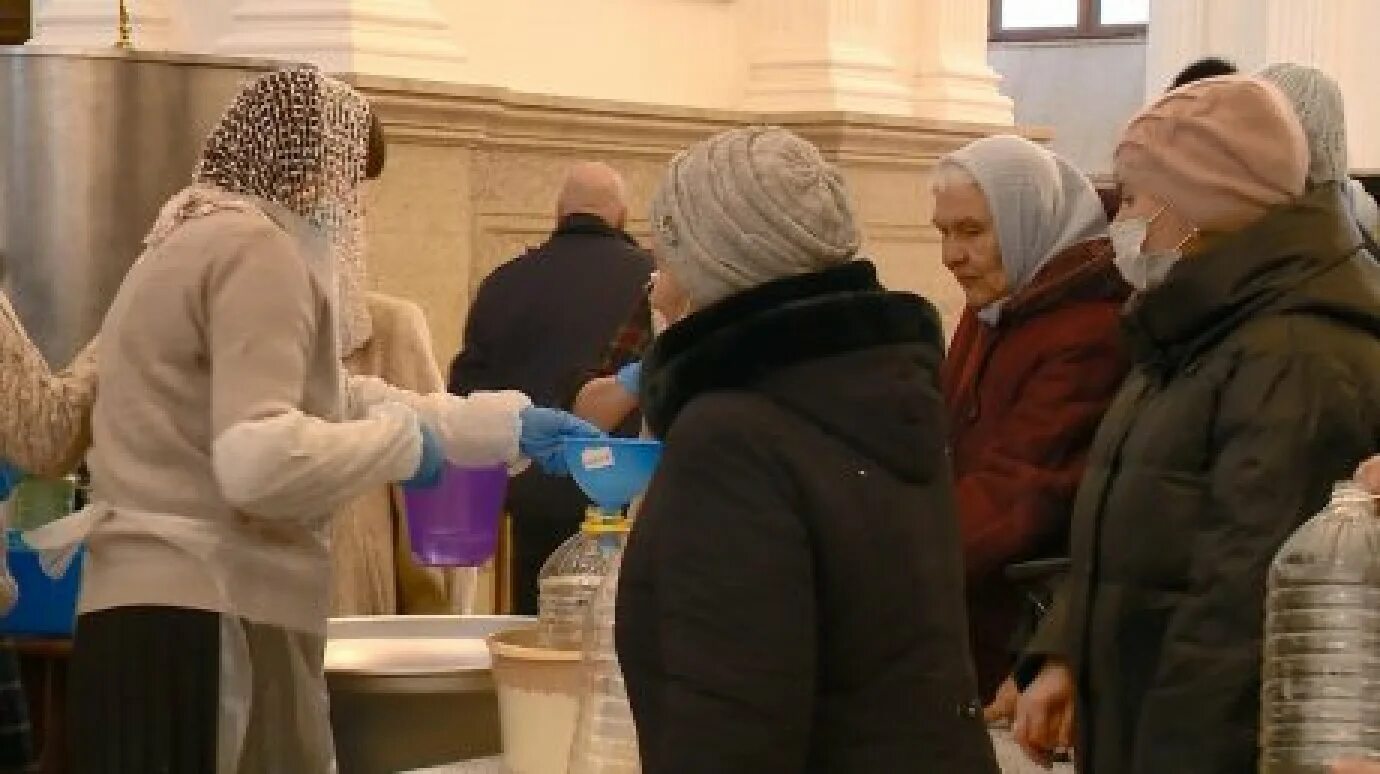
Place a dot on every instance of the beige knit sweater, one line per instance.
(44, 421)
(222, 437)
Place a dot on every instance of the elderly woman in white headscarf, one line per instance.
(225, 436)
(1034, 363)
(1317, 100)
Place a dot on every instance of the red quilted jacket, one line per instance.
(1024, 398)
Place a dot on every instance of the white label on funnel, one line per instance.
(597, 457)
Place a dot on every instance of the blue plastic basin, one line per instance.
(46, 607)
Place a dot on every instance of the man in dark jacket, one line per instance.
(1255, 386)
(538, 324)
(791, 598)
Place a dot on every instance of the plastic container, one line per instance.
(46, 607)
(1320, 688)
(611, 472)
(605, 735)
(39, 501)
(413, 691)
(456, 523)
(538, 700)
(572, 575)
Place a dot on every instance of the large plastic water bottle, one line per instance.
(581, 583)
(573, 573)
(1320, 695)
(605, 736)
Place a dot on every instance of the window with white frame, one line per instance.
(1068, 19)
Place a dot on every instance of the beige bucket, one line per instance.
(538, 700)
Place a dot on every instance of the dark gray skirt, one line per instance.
(146, 688)
(145, 685)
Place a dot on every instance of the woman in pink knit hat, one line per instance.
(1255, 338)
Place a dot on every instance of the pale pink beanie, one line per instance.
(1218, 152)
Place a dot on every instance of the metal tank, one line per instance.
(91, 145)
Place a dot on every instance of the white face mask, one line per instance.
(1142, 270)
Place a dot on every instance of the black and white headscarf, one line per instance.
(299, 139)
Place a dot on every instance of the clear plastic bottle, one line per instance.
(573, 573)
(605, 736)
(1320, 692)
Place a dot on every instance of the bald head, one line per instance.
(594, 188)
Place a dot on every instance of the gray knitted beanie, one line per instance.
(1317, 99)
(749, 206)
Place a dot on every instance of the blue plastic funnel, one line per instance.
(612, 471)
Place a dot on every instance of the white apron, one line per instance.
(284, 643)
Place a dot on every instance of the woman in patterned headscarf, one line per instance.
(225, 434)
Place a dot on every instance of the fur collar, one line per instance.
(740, 341)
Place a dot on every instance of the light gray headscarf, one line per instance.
(749, 206)
(1317, 99)
(1040, 205)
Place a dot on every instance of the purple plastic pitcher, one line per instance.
(455, 524)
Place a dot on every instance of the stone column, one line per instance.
(953, 81)
(396, 38)
(925, 58)
(820, 55)
(1334, 35)
(95, 24)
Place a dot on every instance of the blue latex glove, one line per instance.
(629, 377)
(10, 476)
(544, 430)
(433, 462)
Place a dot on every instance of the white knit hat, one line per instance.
(1317, 99)
(749, 206)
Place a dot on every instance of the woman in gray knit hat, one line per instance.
(791, 598)
(1317, 100)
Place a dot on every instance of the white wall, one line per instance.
(1085, 91)
(913, 58)
(1336, 36)
(679, 52)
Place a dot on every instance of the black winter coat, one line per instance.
(1256, 385)
(792, 592)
